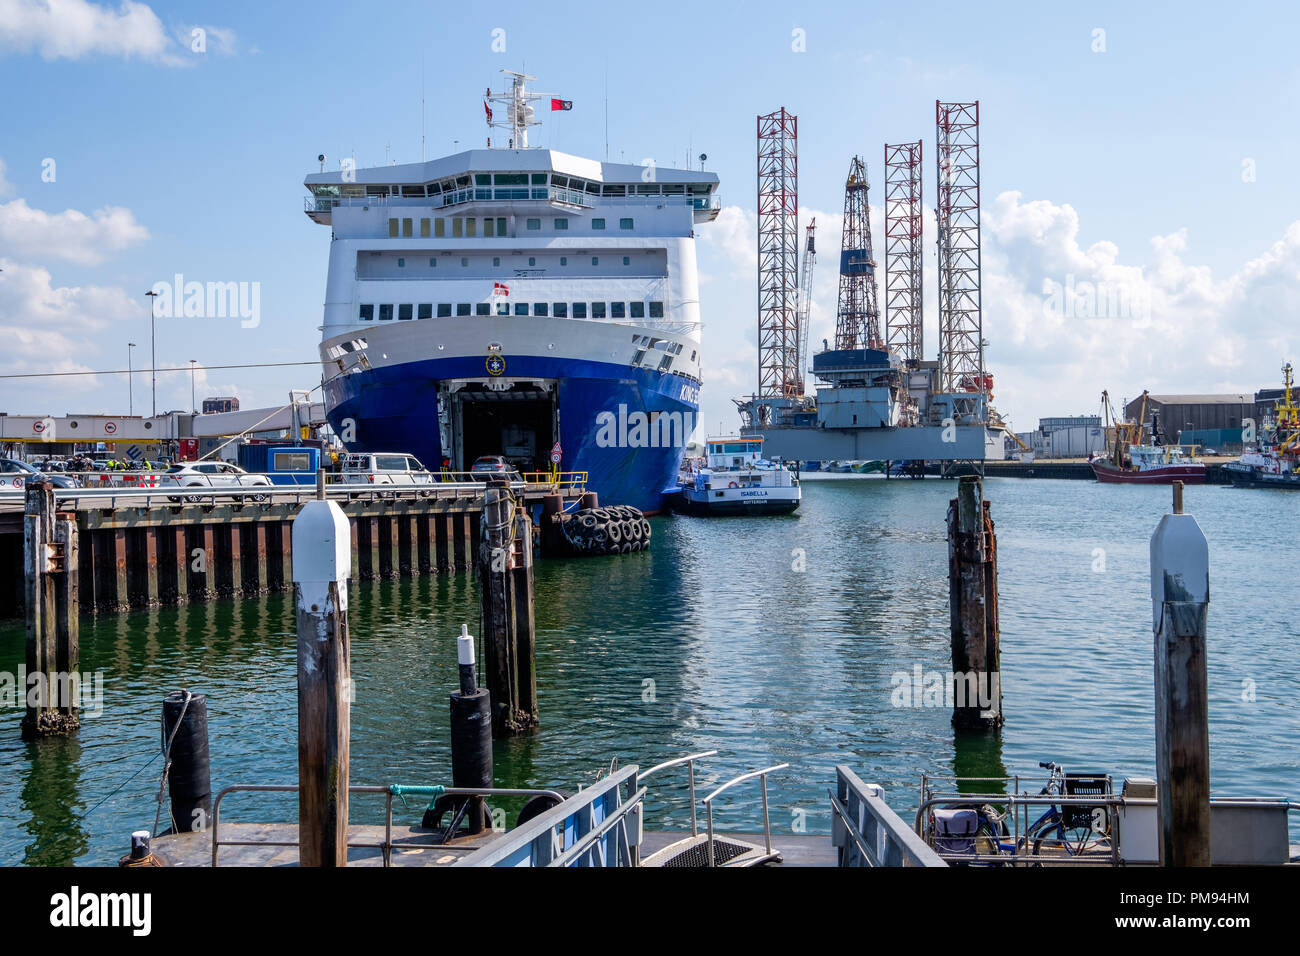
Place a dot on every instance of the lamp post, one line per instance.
(153, 348)
(130, 381)
(192, 361)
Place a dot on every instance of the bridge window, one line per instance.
(598, 224)
(579, 310)
(385, 313)
(444, 310)
(638, 310)
(510, 179)
(560, 310)
(367, 313)
(483, 308)
(425, 311)
(539, 308)
(521, 308)
(598, 310)
(462, 308)
(617, 310)
(404, 313)
(656, 310)
(625, 224)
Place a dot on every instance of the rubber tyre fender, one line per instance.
(614, 532)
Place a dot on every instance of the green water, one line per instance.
(747, 655)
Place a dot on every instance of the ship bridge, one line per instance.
(490, 177)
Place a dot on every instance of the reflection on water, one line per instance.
(714, 639)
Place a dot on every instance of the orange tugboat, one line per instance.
(1129, 461)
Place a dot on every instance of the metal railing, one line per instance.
(431, 485)
(637, 778)
(590, 828)
(558, 194)
(866, 832)
(767, 825)
(386, 845)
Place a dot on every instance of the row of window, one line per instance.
(469, 227)
(559, 310)
(496, 261)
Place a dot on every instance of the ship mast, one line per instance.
(518, 114)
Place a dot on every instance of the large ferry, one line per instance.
(508, 300)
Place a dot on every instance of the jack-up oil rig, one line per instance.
(877, 397)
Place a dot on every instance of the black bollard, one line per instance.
(471, 734)
(189, 780)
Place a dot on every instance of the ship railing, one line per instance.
(555, 194)
(385, 846)
(866, 832)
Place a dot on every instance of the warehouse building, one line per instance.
(1211, 421)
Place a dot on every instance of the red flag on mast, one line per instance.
(487, 109)
(561, 105)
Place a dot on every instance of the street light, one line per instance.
(153, 349)
(192, 361)
(130, 381)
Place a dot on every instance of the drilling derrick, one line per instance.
(961, 341)
(805, 297)
(779, 374)
(903, 286)
(857, 322)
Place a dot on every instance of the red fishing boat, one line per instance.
(1129, 461)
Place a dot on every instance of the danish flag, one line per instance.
(500, 288)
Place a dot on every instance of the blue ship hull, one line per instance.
(395, 408)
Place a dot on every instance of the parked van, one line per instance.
(384, 468)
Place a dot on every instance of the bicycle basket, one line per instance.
(1080, 816)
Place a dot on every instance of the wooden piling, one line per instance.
(322, 561)
(510, 681)
(51, 572)
(972, 596)
(1180, 600)
(525, 624)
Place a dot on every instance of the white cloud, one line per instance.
(1166, 323)
(72, 29)
(29, 299)
(6, 187)
(70, 235)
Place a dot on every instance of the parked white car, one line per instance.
(384, 468)
(211, 474)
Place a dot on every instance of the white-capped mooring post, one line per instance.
(1180, 600)
(322, 561)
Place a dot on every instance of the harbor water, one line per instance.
(795, 639)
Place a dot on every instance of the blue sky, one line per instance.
(1130, 165)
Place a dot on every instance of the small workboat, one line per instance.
(1275, 460)
(735, 479)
